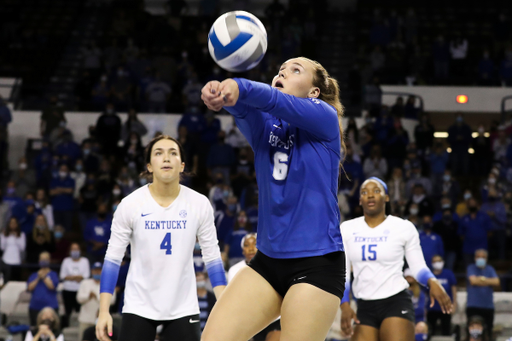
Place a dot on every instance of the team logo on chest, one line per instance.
(183, 213)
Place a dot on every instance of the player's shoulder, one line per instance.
(140, 194)
(194, 196)
(400, 223)
(353, 223)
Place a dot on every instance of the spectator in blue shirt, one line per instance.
(481, 280)
(449, 283)
(354, 171)
(5, 119)
(447, 227)
(10, 197)
(61, 191)
(474, 227)
(43, 286)
(97, 234)
(232, 243)
(418, 297)
(206, 298)
(68, 148)
(447, 187)
(221, 158)
(496, 210)
(431, 242)
(459, 138)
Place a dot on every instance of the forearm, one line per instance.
(218, 290)
(31, 286)
(105, 299)
(49, 284)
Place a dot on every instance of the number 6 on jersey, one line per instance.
(280, 166)
(166, 244)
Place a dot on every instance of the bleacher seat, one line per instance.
(442, 338)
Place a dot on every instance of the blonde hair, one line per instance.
(56, 320)
(329, 93)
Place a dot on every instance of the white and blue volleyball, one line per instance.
(237, 41)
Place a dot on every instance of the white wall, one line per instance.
(25, 125)
(442, 98)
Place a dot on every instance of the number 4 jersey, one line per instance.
(377, 256)
(296, 142)
(161, 279)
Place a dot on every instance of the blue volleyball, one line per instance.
(237, 41)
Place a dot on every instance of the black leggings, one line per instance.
(70, 304)
(137, 328)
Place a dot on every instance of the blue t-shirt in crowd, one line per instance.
(480, 297)
(69, 148)
(438, 162)
(431, 245)
(41, 295)
(98, 231)
(475, 232)
(447, 279)
(234, 240)
(62, 202)
(296, 142)
(419, 304)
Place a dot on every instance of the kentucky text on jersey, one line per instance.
(165, 224)
(275, 141)
(370, 239)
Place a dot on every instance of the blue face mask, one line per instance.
(58, 234)
(197, 247)
(96, 277)
(420, 337)
(481, 262)
(44, 263)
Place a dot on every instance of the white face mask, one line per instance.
(492, 181)
(63, 174)
(23, 166)
(438, 265)
(201, 284)
(413, 211)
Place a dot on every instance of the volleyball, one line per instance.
(237, 41)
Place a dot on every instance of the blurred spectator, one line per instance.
(375, 165)
(397, 197)
(40, 240)
(477, 329)
(46, 326)
(5, 210)
(234, 136)
(373, 97)
(396, 149)
(5, 120)
(447, 187)
(243, 173)
(61, 192)
(83, 93)
(500, 146)
(448, 228)
(91, 161)
(377, 59)
(352, 137)
(495, 209)
(126, 184)
(232, 252)
(438, 162)
(491, 183)
(459, 138)
(10, 197)
(506, 68)
(105, 179)
(157, 93)
(421, 331)
(419, 197)
(410, 25)
(431, 242)
(91, 56)
(68, 147)
(275, 12)
(24, 178)
(225, 219)
(474, 228)
(42, 204)
(482, 155)
(398, 109)
(410, 110)
(463, 207)
(88, 296)
(206, 298)
(354, 171)
(13, 244)
(43, 286)
(412, 214)
(121, 90)
(481, 280)
(73, 271)
(418, 297)
(459, 51)
(79, 176)
(51, 117)
(62, 245)
(100, 93)
(26, 215)
(191, 93)
(441, 56)
(133, 125)
(211, 130)
(190, 149)
(424, 134)
(416, 178)
(221, 158)
(88, 200)
(97, 234)
(447, 279)
(108, 130)
(486, 69)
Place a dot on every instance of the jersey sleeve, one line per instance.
(414, 256)
(348, 271)
(310, 114)
(250, 121)
(207, 237)
(121, 232)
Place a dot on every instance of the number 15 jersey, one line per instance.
(161, 281)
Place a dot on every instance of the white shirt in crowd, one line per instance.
(90, 305)
(377, 256)
(48, 214)
(12, 248)
(71, 268)
(30, 337)
(80, 178)
(161, 280)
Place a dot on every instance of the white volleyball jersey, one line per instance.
(161, 280)
(377, 256)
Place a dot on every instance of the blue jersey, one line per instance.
(296, 142)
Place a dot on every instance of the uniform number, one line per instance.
(280, 166)
(372, 254)
(166, 244)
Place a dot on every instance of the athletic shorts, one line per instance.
(373, 312)
(138, 328)
(262, 336)
(326, 272)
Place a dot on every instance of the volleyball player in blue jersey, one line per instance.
(294, 128)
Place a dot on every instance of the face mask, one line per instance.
(44, 263)
(47, 322)
(225, 194)
(58, 234)
(446, 206)
(492, 181)
(102, 215)
(114, 207)
(103, 78)
(420, 337)
(476, 333)
(120, 73)
(473, 209)
(481, 262)
(62, 124)
(87, 151)
(75, 254)
(96, 277)
(447, 177)
(23, 166)
(467, 196)
(40, 227)
(232, 207)
(133, 141)
(11, 190)
(110, 111)
(197, 247)
(79, 168)
(460, 119)
(116, 191)
(414, 211)
(481, 130)
(438, 265)
(201, 284)
(143, 181)
(63, 174)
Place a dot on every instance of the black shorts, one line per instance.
(326, 272)
(138, 328)
(262, 336)
(373, 312)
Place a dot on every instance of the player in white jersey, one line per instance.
(249, 249)
(375, 246)
(160, 221)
